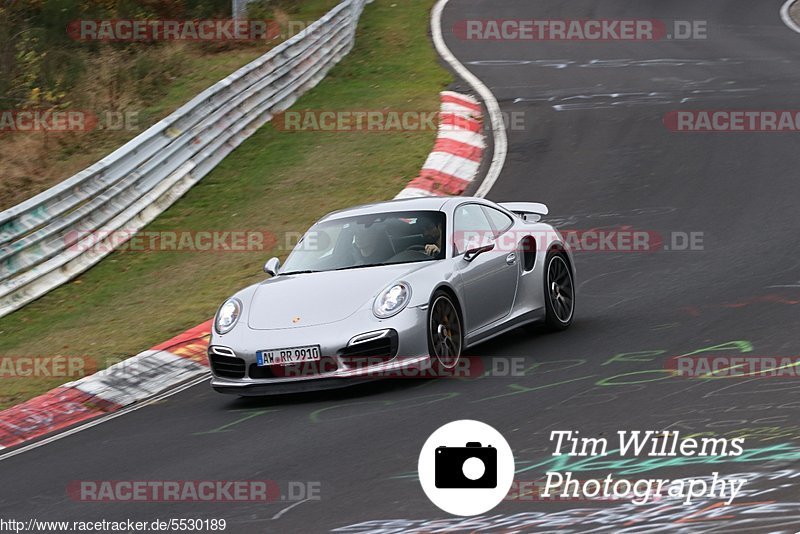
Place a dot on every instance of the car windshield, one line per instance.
(369, 240)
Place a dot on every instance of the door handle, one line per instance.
(511, 259)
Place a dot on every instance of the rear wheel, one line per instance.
(559, 291)
(445, 333)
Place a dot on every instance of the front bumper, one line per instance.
(233, 356)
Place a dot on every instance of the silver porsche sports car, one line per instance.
(393, 286)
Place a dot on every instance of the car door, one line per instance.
(489, 281)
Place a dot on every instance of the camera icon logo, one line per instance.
(472, 466)
(466, 468)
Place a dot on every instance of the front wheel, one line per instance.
(559, 291)
(445, 334)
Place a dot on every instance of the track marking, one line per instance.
(495, 115)
(279, 514)
(108, 417)
(787, 18)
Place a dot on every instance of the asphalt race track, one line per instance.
(596, 150)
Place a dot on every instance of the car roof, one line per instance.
(433, 203)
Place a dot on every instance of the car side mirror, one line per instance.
(473, 253)
(272, 266)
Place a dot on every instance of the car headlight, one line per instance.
(392, 300)
(227, 316)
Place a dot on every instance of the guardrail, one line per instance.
(52, 237)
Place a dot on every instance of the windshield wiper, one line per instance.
(352, 267)
(363, 266)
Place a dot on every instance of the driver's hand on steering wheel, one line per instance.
(431, 249)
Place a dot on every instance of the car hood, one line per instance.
(296, 301)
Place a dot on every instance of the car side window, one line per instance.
(471, 229)
(500, 221)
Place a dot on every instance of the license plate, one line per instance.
(288, 356)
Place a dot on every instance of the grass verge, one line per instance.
(277, 181)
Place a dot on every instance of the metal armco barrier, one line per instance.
(40, 239)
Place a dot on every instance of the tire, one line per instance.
(559, 291)
(445, 332)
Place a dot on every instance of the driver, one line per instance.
(432, 232)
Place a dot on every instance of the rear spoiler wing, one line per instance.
(528, 211)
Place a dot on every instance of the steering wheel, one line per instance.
(420, 248)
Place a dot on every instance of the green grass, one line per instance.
(276, 181)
